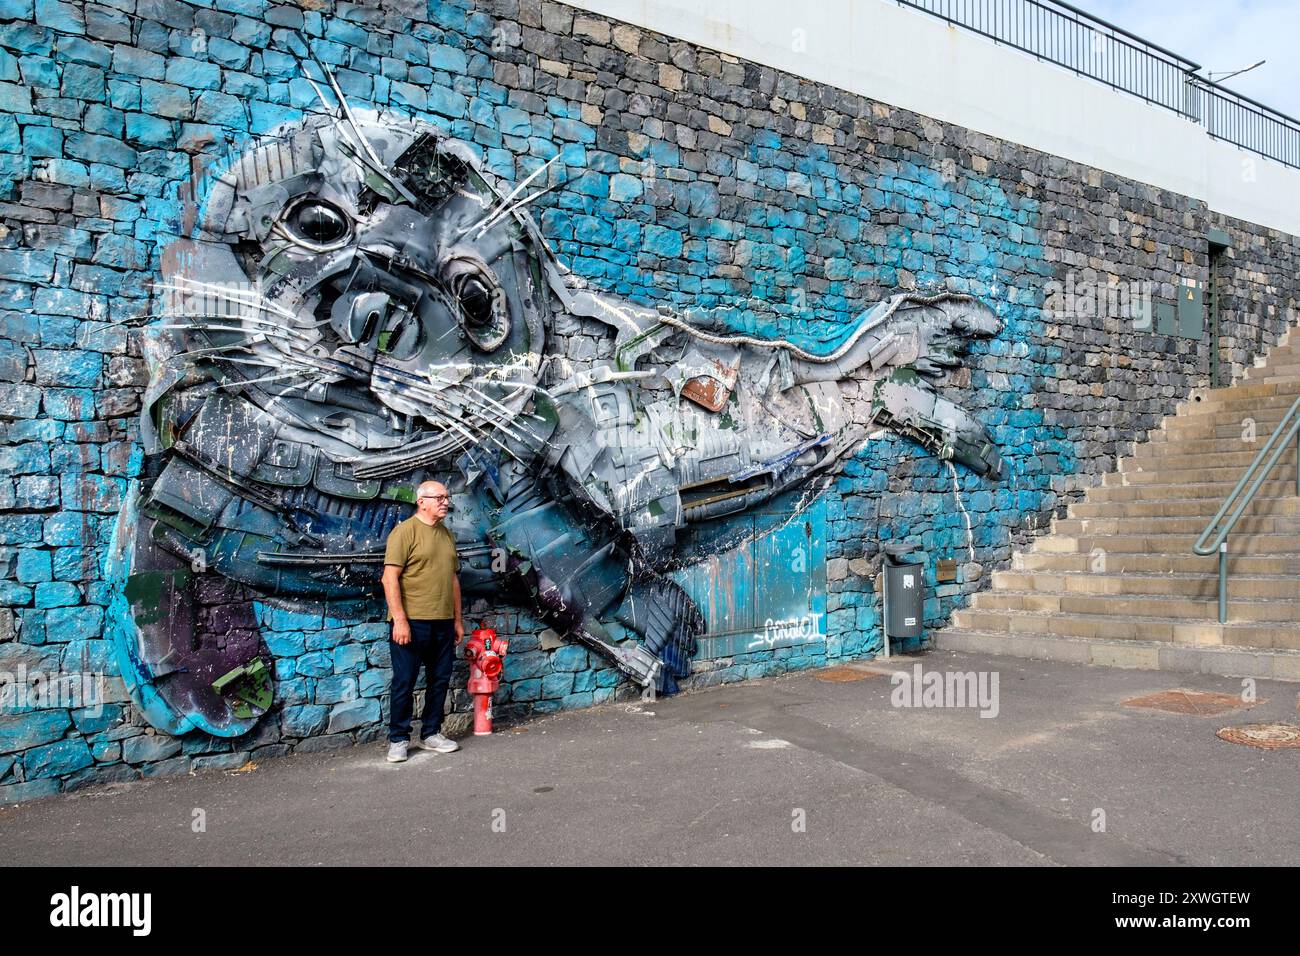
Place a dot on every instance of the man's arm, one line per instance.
(460, 625)
(393, 595)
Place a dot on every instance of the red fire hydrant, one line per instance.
(486, 653)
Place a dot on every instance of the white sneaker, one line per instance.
(439, 743)
(397, 751)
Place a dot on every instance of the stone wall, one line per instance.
(690, 179)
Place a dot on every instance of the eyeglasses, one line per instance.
(435, 497)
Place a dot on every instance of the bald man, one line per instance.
(423, 595)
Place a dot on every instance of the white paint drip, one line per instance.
(956, 493)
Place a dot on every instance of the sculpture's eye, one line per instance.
(476, 300)
(479, 301)
(317, 224)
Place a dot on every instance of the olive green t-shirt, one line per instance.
(427, 556)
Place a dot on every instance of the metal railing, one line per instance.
(1244, 122)
(1215, 536)
(1061, 33)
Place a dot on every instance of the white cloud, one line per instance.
(1222, 35)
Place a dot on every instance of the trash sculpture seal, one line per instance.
(359, 307)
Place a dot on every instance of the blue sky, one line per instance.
(1222, 35)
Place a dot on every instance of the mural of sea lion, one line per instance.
(361, 306)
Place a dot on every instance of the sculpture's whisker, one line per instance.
(189, 353)
(225, 317)
(476, 437)
(266, 363)
(249, 297)
(497, 207)
(268, 378)
(207, 326)
(509, 413)
(489, 421)
(515, 208)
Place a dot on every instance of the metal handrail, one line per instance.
(1072, 38)
(1060, 33)
(1236, 118)
(1215, 536)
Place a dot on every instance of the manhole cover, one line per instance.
(1263, 736)
(1196, 702)
(842, 675)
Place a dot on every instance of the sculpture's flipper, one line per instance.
(187, 640)
(227, 511)
(907, 404)
(928, 333)
(660, 609)
(572, 564)
(892, 357)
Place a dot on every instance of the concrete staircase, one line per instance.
(1116, 582)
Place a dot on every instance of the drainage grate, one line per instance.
(1198, 703)
(843, 675)
(1263, 736)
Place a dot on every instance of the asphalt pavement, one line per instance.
(818, 767)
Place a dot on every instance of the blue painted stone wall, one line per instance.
(690, 179)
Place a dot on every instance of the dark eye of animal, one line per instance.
(476, 300)
(317, 221)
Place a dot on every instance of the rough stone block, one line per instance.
(349, 716)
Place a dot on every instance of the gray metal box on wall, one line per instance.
(1191, 310)
(1166, 318)
(904, 595)
(1185, 316)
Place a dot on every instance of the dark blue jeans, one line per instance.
(433, 645)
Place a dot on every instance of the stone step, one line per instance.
(1200, 424)
(1238, 430)
(1162, 543)
(1174, 459)
(1178, 507)
(1194, 525)
(1105, 627)
(1228, 476)
(1120, 607)
(1263, 664)
(1159, 446)
(1283, 352)
(1119, 561)
(1223, 424)
(1218, 491)
(1261, 395)
(1281, 371)
(1279, 356)
(1235, 396)
(1264, 406)
(1196, 585)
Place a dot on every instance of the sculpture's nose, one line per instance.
(357, 317)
